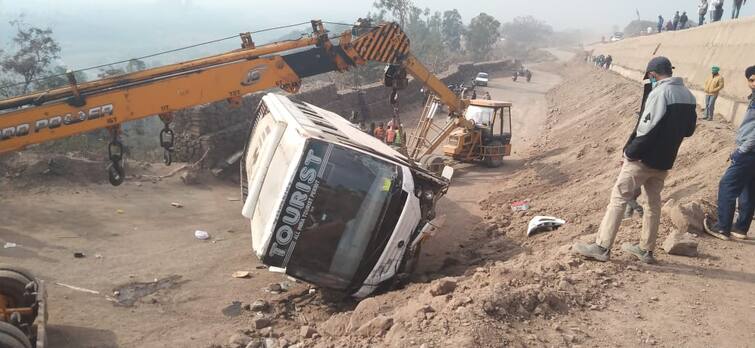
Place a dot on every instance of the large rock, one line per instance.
(239, 340)
(261, 323)
(442, 286)
(680, 244)
(365, 311)
(307, 331)
(687, 217)
(335, 326)
(376, 327)
(259, 306)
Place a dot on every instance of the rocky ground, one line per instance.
(515, 290)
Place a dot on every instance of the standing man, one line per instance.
(683, 20)
(702, 10)
(712, 10)
(719, 9)
(399, 140)
(380, 132)
(660, 23)
(668, 116)
(738, 182)
(737, 6)
(713, 85)
(676, 20)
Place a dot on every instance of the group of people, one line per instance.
(677, 23)
(714, 9)
(668, 116)
(391, 134)
(601, 61)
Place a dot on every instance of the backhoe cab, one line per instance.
(485, 137)
(482, 133)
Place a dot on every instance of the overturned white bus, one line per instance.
(330, 204)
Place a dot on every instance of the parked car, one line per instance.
(617, 36)
(481, 79)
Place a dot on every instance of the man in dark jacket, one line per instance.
(676, 20)
(660, 23)
(737, 6)
(683, 20)
(719, 12)
(667, 117)
(738, 182)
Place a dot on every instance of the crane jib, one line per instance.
(56, 121)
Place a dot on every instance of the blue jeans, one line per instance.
(735, 11)
(738, 183)
(710, 106)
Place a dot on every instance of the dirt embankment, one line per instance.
(513, 290)
(728, 44)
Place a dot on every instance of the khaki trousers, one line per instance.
(634, 175)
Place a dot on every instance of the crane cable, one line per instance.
(167, 51)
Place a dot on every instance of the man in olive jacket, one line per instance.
(713, 85)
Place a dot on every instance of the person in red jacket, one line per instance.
(380, 132)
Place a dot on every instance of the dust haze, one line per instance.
(93, 33)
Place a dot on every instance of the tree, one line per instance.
(135, 65)
(110, 71)
(36, 51)
(482, 35)
(57, 78)
(452, 29)
(524, 33)
(399, 9)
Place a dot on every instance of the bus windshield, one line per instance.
(351, 216)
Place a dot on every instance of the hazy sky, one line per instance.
(95, 32)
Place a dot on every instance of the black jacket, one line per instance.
(668, 116)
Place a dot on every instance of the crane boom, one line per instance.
(108, 102)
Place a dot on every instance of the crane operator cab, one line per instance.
(486, 136)
(330, 204)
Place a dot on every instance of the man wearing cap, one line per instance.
(667, 117)
(713, 85)
(738, 182)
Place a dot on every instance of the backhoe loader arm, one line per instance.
(108, 102)
(389, 44)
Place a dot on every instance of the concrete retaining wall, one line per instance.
(728, 44)
(221, 130)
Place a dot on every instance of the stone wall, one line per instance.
(221, 130)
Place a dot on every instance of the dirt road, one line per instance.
(131, 234)
(473, 183)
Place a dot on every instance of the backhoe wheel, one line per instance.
(25, 272)
(495, 160)
(12, 337)
(433, 163)
(13, 284)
